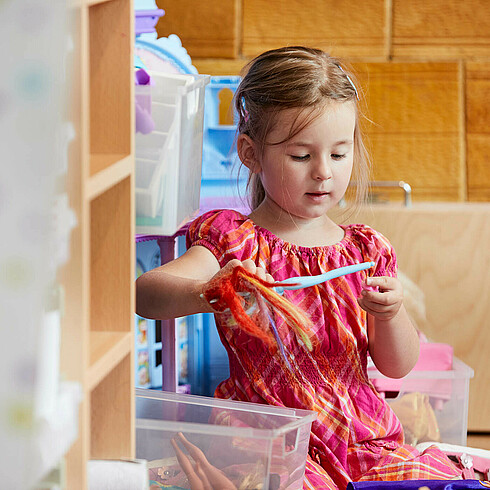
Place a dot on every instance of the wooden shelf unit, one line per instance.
(97, 332)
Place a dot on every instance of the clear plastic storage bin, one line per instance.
(432, 405)
(251, 445)
(169, 158)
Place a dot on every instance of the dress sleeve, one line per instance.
(226, 233)
(377, 248)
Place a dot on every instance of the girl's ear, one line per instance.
(247, 153)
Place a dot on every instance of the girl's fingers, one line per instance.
(260, 273)
(384, 283)
(389, 294)
(249, 265)
(382, 313)
(383, 299)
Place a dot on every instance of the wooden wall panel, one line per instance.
(418, 105)
(207, 29)
(417, 135)
(478, 130)
(430, 164)
(334, 25)
(219, 66)
(441, 28)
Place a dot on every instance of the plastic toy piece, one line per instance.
(301, 282)
(143, 119)
(167, 50)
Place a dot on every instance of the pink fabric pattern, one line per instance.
(356, 436)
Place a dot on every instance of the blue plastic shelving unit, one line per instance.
(223, 182)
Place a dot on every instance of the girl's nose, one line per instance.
(322, 170)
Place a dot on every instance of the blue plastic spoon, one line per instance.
(301, 282)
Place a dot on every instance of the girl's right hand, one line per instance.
(248, 265)
(211, 291)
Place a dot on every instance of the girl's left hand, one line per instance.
(385, 303)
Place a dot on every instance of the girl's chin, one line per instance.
(308, 214)
(309, 209)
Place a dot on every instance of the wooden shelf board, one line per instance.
(106, 176)
(90, 3)
(107, 349)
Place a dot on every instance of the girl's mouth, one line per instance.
(317, 196)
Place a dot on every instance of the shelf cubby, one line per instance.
(106, 349)
(110, 41)
(111, 249)
(112, 414)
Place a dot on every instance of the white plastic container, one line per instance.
(420, 395)
(252, 445)
(169, 158)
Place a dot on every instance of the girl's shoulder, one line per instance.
(222, 221)
(374, 246)
(364, 234)
(227, 233)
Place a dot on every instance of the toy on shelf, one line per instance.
(143, 120)
(146, 20)
(164, 54)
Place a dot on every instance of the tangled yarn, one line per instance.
(248, 298)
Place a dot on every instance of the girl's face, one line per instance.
(309, 174)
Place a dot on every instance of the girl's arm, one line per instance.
(393, 340)
(173, 290)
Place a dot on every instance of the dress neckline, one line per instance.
(301, 248)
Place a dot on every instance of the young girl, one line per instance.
(299, 136)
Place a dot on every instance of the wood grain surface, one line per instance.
(219, 66)
(478, 130)
(441, 28)
(332, 25)
(416, 134)
(206, 29)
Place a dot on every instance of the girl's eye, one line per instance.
(336, 156)
(300, 158)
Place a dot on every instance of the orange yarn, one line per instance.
(223, 294)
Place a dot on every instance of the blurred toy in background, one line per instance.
(417, 417)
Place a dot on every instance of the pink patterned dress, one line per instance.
(356, 436)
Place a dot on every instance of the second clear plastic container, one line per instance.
(251, 445)
(431, 405)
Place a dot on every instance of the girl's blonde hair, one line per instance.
(295, 77)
